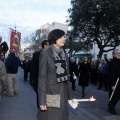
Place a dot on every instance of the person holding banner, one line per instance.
(114, 83)
(3, 47)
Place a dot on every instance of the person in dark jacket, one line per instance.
(114, 74)
(26, 64)
(12, 64)
(103, 75)
(84, 71)
(73, 71)
(35, 67)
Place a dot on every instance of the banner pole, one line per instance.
(114, 90)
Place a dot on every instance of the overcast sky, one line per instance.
(29, 15)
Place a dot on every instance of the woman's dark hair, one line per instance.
(55, 35)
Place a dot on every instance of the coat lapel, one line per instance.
(50, 53)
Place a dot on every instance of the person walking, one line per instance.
(3, 76)
(73, 71)
(103, 75)
(35, 68)
(12, 64)
(54, 79)
(114, 74)
(84, 71)
(26, 64)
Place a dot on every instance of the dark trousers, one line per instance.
(37, 100)
(25, 74)
(73, 82)
(114, 100)
(103, 80)
(112, 104)
(83, 91)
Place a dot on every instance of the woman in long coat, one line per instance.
(84, 71)
(53, 78)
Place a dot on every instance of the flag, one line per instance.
(15, 37)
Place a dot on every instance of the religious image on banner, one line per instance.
(15, 40)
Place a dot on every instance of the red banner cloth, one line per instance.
(15, 37)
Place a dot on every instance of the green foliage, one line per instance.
(96, 20)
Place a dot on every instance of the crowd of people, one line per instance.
(50, 70)
(94, 72)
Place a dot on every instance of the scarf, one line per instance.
(60, 64)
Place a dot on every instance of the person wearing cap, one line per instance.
(53, 78)
(12, 64)
(114, 74)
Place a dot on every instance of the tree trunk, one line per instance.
(100, 54)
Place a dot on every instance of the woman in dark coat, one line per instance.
(114, 74)
(84, 71)
(53, 78)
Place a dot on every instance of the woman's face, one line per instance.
(85, 59)
(60, 42)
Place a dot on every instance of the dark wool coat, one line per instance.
(34, 70)
(47, 84)
(113, 74)
(73, 68)
(84, 71)
(26, 65)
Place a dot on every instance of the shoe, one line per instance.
(112, 112)
(10, 95)
(73, 89)
(16, 93)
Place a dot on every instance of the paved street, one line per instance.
(23, 106)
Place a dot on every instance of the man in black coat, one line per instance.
(35, 67)
(114, 74)
(73, 68)
(26, 64)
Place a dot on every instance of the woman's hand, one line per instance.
(73, 103)
(43, 107)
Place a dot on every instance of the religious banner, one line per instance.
(15, 37)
